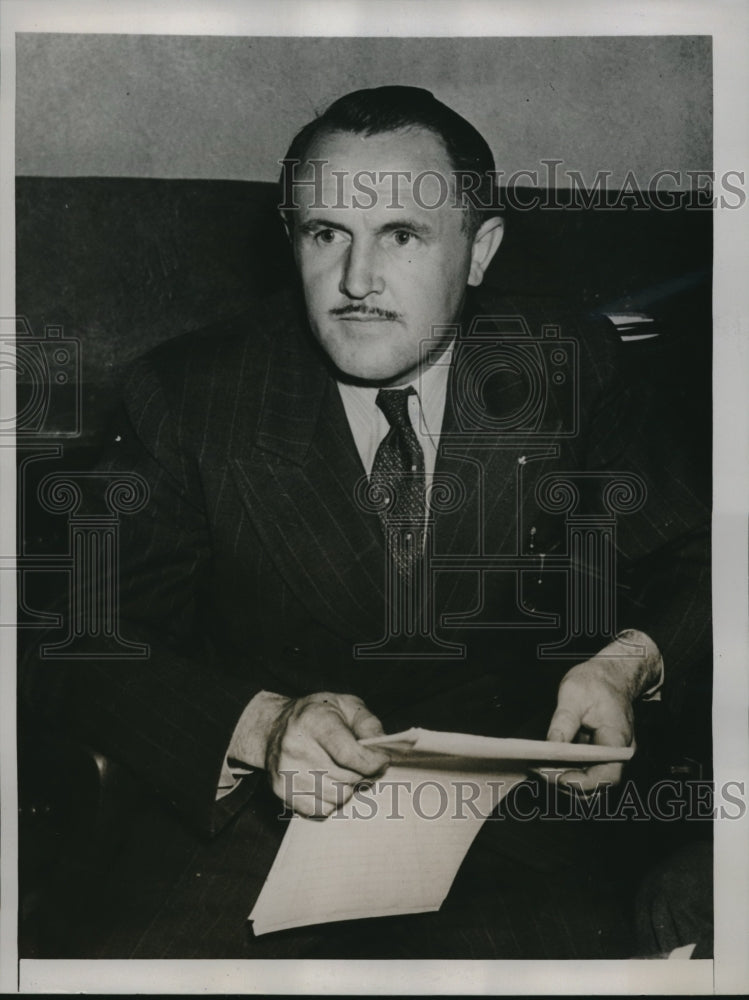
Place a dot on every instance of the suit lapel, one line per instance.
(490, 466)
(484, 520)
(297, 481)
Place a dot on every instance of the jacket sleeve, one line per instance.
(663, 548)
(168, 716)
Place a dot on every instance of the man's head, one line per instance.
(384, 241)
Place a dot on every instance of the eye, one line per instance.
(328, 236)
(403, 237)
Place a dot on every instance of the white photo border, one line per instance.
(727, 21)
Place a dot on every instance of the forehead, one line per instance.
(403, 149)
(404, 170)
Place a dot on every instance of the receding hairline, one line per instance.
(328, 131)
(471, 220)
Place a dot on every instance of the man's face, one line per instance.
(379, 278)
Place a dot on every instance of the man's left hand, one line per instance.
(595, 705)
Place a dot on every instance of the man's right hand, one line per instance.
(309, 748)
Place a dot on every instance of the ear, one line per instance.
(485, 245)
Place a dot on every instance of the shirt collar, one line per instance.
(430, 386)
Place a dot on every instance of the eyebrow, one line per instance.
(318, 223)
(419, 228)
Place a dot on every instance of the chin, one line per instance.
(374, 374)
(365, 365)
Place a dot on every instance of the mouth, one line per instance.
(364, 319)
(354, 315)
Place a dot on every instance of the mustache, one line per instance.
(353, 308)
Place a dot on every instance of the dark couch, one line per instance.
(123, 264)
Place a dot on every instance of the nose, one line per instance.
(361, 274)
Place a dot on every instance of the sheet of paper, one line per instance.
(422, 744)
(393, 849)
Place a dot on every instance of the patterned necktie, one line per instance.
(398, 475)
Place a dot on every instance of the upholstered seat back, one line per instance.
(123, 264)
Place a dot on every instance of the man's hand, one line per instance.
(591, 708)
(319, 733)
(309, 747)
(594, 705)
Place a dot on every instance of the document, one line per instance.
(426, 744)
(396, 847)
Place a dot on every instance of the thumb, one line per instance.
(364, 724)
(612, 736)
(564, 725)
(358, 718)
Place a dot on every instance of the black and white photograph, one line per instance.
(374, 538)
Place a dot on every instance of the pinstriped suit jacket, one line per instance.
(253, 567)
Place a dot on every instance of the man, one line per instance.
(264, 571)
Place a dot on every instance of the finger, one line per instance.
(342, 775)
(564, 725)
(314, 808)
(598, 776)
(336, 793)
(338, 784)
(310, 774)
(341, 745)
(329, 721)
(364, 724)
(550, 774)
(310, 793)
(320, 727)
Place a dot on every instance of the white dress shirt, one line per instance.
(426, 408)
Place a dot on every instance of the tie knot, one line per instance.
(394, 404)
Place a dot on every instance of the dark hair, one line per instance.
(387, 109)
